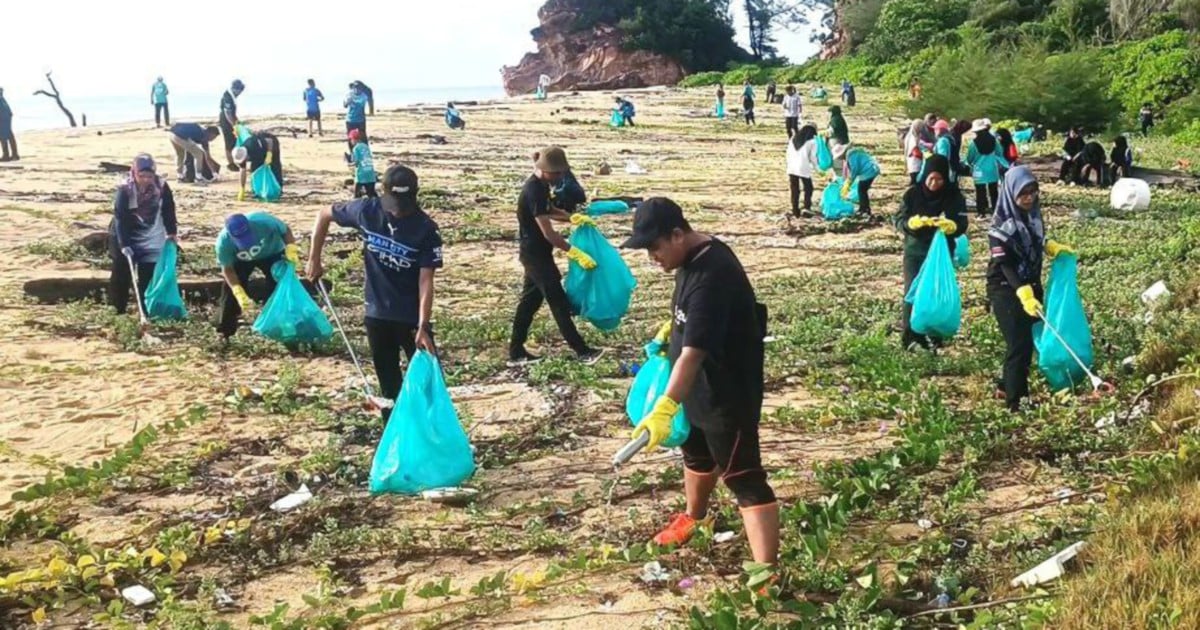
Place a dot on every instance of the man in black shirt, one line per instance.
(538, 240)
(716, 351)
(260, 148)
(228, 119)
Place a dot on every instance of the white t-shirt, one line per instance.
(791, 106)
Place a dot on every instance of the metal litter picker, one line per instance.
(378, 401)
(1099, 386)
(143, 320)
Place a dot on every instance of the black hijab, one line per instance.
(985, 142)
(935, 164)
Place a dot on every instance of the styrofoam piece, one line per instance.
(1130, 194)
(1156, 292)
(1050, 570)
(293, 500)
(138, 595)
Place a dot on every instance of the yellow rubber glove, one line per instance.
(1028, 302)
(291, 252)
(947, 226)
(920, 222)
(580, 218)
(242, 194)
(658, 422)
(1054, 248)
(243, 299)
(581, 257)
(664, 333)
(270, 157)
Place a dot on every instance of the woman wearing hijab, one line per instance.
(1018, 245)
(1121, 159)
(932, 204)
(859, 169)
(957, 130)
(986, 160)
(917, 143)
(839, 132)
(801, 160)
(1008, 147)
(143, 222)
(748, 103)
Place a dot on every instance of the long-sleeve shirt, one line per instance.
(950, 205)
(144, 230)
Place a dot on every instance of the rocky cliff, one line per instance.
(589, 59)
(837, 43)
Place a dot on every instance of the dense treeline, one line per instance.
(1052, 62)
(698, 33)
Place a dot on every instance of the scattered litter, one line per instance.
(686, 583)
(925, 523)
(1128, 364)
(883, 428)
(1049, 570)
(723, 537)
(1064, 494)
(769, 339)
(942, 600)
(1130, 194)
(633, 168)
(1157, 291)
(138, 595)
(450, 496)
(293, 500)
(1107, 421)
(223, 599)
(654, 573)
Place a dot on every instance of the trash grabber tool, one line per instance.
(1098, 385)
(380, 402)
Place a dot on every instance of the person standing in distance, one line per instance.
(312, 106)
(158, 98)
(716, 335)
(356, 113)
(538, 240)
(8, 142)
(228, 119)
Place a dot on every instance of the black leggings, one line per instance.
(864, 195)
(912, 267)
(365, 189)
(792, 125)
(1117, 171)
(543, 283)
(795, 181)
(386, 339)
(749, 114)
(8, 142)
(985, 197)
(121, 282)
(231, 311)
(734, 451)
(1017, 328)
(163, 113)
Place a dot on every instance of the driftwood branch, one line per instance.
(54, 94)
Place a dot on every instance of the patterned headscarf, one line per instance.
(1025, 231)
(148, 197)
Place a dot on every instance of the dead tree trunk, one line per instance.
(57, 99)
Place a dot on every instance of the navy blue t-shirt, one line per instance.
(395, 250)
(190, 131)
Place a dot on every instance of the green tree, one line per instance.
(906, 26)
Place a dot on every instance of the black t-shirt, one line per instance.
(395, 250)
(257, 146)
(228, 107)
(715, 310)
(534, 202)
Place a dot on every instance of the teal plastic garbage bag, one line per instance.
(609, 206)
(650, 383)
(601, 295)
(934, 295)
(824, 155)
(833, 207)
(423, 446)
(243, 134)
(291, 315)
(852, 193)
(163, 300)
(1064, 311)
(720, 109)
(617, 119)
(962, 252)
(264, 184)
(1023, 136)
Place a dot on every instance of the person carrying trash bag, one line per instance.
(859, 170)
(256, 240)
(929, 206)
(1019, 246)
(1064, 338)
(454, 120)
(986, 159)
(143, 221)
(259, 149)
(716, 352)
(538, 239)
(601, 295)
(402, 248)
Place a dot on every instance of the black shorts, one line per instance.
(314, 115)
(735, 451)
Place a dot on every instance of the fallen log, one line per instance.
(1046, 168)
(63, 290)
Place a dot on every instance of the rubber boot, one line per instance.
(762, 531)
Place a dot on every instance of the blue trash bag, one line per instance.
(243, 134)
(264, 184)
(720, 109)
(833, 207)
(934, 295)
(423, 446)
(601, 295)
(611, 206)
(650, 383)
(291, 315)
(852, 195)
(1064, 311)
(1023, 136)
(617, 119)
(824, 155)
(962, 252)
(163, 300)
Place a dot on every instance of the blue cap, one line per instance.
(239, 230)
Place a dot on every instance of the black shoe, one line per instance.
(233, 168)
(590, 356)
(522, 358)
(5, 159)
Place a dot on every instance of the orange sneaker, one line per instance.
(680, 530)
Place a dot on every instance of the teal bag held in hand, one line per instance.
(962, 252)
(601, 295)
(934, 295)
(617, 120)
(291, 315)
(610, 206)
(264, 184)
(824, 155)
(1064, 311)
(833, 207)
(423, 446)
(163, 300)
(650, 383)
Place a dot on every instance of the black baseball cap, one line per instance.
(400, 189)
(655, 218)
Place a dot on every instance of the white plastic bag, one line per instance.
(1130, 194)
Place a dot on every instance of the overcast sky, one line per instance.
(105, 48)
